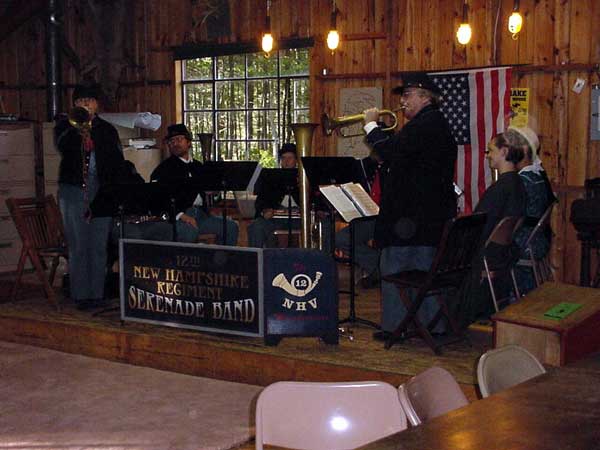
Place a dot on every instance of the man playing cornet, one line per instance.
(418, 195)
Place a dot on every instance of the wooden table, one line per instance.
(557, 410)
(553, 342)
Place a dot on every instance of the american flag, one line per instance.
(476, 104)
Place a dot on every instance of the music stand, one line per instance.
(227, 176)
(155, 199)
(271, 181)
(119, 200)
(338, 170)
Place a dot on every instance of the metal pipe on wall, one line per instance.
(53, 60)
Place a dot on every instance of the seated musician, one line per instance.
(261, 230)
(366, 256)
(193, 220)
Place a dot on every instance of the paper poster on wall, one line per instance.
(355, 101)
(519, 104)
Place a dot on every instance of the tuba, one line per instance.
(206, 140)
(303, 133)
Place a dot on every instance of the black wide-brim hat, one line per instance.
(86, 91)
(416, 80)
(178, 129)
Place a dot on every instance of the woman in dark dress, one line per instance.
(506, 197)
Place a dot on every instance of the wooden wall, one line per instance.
(379, 38)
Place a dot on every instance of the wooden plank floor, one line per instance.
(31, 320)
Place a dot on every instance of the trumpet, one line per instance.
(331, 124)
(80, 118)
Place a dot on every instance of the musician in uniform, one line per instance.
(192, 219)
(90, 158)
(418, 194)
(269, 199)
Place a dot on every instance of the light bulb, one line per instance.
(464, 33)
(515, 22)
(333, 40)
(267, 42)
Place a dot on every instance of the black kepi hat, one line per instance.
(288, 147)
(86, 91)
(178, 129)
(416, 80)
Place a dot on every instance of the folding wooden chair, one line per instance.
(451, 264)
(40, 227)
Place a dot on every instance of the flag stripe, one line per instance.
(476, 104)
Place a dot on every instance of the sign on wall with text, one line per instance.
(203, 287)
(519, 105)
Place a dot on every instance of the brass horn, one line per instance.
(80, 118)
(206, 140)
(331, 124)
(303, 133)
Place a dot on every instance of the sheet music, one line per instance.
(341, 202)
(361, 199)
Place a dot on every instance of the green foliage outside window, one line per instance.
(247, 101)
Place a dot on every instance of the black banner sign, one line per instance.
(209, 288)
(300, 294)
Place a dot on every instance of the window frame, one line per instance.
(214, 80)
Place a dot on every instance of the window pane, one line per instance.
(262, 125)
(198, 96)
(231, 125)
(248, 101)
(294, 61)
(196, 151)
(232, 66)
(232, 150)
(199, 122)
(197, 69)
(301, 93)
(261, 66)
(264, 152)
(301, 116)
(262, 94)
(231, 94)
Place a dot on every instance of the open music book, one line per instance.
(350, 200)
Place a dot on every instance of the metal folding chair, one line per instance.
(502, 236)
(541, 267)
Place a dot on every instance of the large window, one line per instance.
(247, 101)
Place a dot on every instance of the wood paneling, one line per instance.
(384, 37)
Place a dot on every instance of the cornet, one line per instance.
(80, 118)
(330, 125)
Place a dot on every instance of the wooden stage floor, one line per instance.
(32, 320)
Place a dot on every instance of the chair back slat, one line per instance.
(37, 222)
(459, 244)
